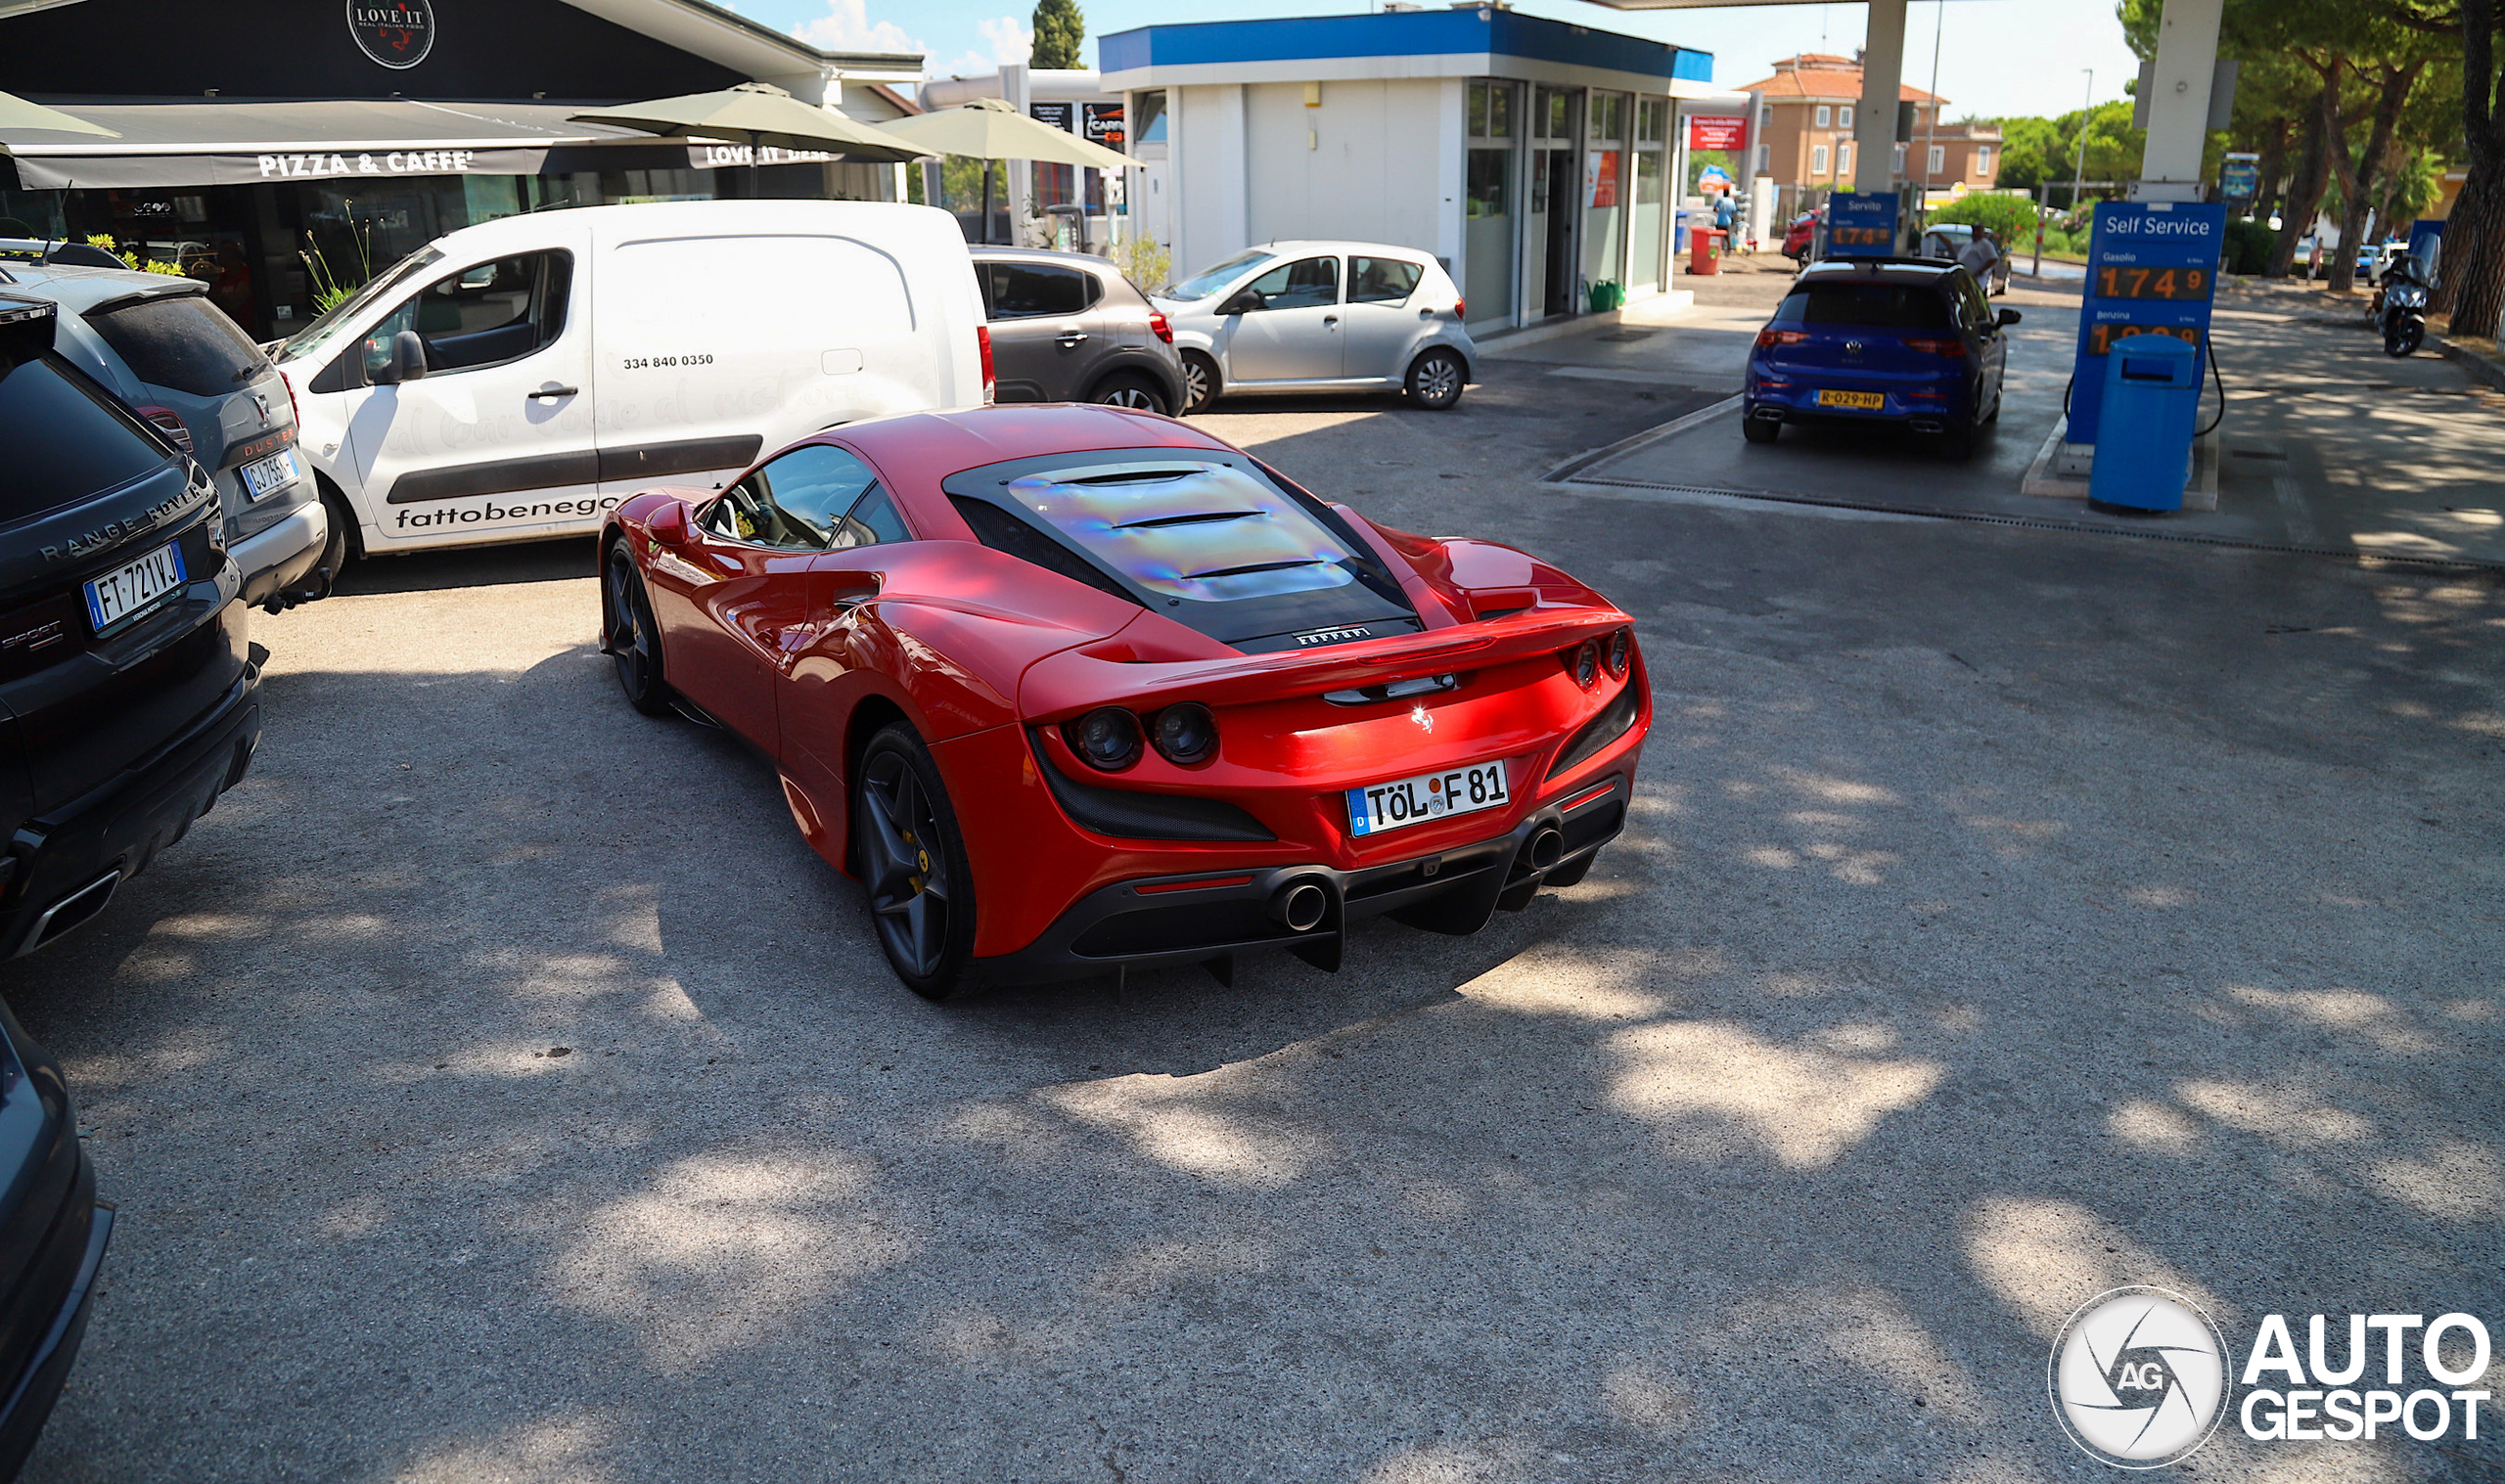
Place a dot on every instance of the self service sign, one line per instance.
(2152, 269)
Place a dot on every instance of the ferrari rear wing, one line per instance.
(1076, 680)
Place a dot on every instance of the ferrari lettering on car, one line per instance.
(1075, 689)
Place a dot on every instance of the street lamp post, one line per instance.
(2087, 107)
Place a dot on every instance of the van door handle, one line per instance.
(553, 392)
(1330, 319)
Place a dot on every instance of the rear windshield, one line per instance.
(67, 438)
(186, 344)
(1871, 306)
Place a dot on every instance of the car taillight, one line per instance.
(1584, 662)
(1767, 340)
(294, 413)
(172, 423)
(1461, 309)
(1949, 349)
(1159, 328)
(982, 340)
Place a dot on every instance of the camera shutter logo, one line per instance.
(397, 33)
(2139, 1377)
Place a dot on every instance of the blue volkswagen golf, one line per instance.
(1910, 341)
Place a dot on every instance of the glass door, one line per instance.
(1556, 195)
(1652, 134)
(1489, 269)
(1606, 190)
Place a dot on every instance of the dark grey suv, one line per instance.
(1070, 327)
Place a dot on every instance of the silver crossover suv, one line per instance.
(1321, 316)
(161, 346)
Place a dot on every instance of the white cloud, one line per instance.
(1006, 39)
(847, 26)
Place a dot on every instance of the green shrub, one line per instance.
(2011, 217)
(2249, 245)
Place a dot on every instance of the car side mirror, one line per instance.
(408, 362)
(2010, 317)
(668, 524)
(1245, 302)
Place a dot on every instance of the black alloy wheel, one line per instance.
(1436, 379)
(913, 865)
(1129, 389)
(1199, 381)
(631, 637)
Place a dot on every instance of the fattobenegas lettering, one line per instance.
(491, 511)
(389, 162)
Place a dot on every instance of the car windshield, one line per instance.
(1208, 281)
(1871, 306)
(313, 339)
(182, 342)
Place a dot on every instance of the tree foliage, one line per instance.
(1058, 30)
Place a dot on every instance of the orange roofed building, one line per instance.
(1805, 121)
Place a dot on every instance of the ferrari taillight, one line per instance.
(1620, 654)
(1185, 732)
(982, 341)
(1106, 738)
(1160, 326)
(1584, 662)
(170, 423)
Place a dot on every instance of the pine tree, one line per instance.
(1059, 29)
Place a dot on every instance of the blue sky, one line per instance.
(1997, 57)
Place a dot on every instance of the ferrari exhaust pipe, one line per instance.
(1299, 906)
(1545, 847)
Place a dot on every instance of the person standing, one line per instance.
(1981, 256)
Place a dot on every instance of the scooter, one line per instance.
(2404, 315)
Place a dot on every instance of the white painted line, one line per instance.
(1670, 429)
(2292, 509)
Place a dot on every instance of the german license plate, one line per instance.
(1865, 401)
(120, 596)
(276, 471)
(1407, 801)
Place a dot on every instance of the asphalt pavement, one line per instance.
(495, 1089)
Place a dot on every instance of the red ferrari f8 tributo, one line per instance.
(1076, 689)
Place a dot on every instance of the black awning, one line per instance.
(213, 143)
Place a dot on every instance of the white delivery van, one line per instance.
(514, 379)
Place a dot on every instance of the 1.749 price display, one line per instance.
(2119, 283)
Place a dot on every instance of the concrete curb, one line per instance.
(2484, 366)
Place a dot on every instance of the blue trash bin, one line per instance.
(2144, 433)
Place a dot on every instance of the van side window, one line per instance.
(796, 502)
(485, 315)
(1382, 279)
(1028, 291)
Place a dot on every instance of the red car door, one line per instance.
(737, 606)
(829, 665)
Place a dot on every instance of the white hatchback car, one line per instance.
(1321, 316)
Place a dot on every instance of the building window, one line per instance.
(1765, 160)
(1553, 113)
(1491, 110)
(1843, 116)
(1935, 159)
(1651, 120)
(1609, 117)
(1825, 116)
(1817, 161)
(1843, 160)
(1900, 161)
(1150, 120)
(1983, 161)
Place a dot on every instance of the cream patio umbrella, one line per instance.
(988, 129)
(762, 115)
